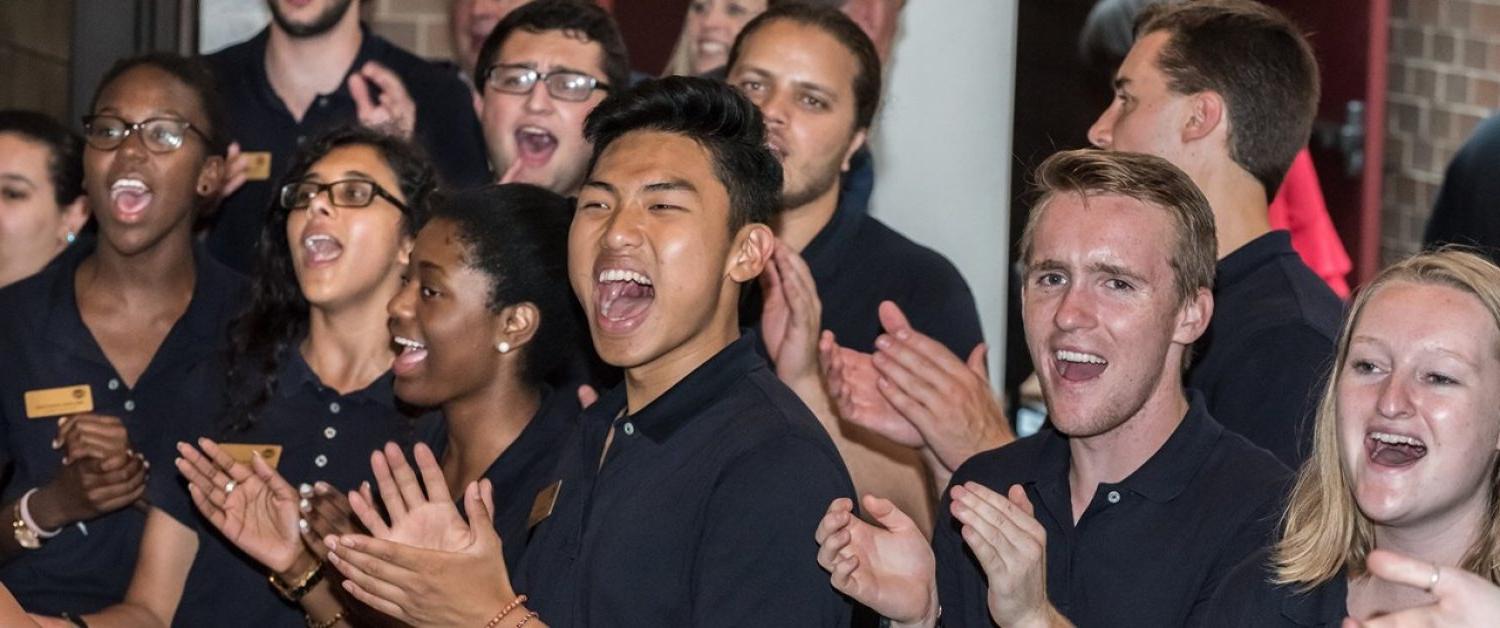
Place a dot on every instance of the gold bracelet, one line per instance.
(313, 623)
(495, 621)
(526, 620)
(293, 592)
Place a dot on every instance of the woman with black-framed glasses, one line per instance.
(119, 327)
(308, 384)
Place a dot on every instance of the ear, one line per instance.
(750, 252)
(516, 324)
(403, 254)
(1205, 115)
(854, 145)
(210, 177)
(75, 216)
(1193, 317)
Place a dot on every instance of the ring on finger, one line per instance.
(229, 486)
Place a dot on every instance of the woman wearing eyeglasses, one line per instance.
(309, 389)
(106, 343)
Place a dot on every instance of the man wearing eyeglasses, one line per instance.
(539, 74)
(316, 67)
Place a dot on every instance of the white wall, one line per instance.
(942, 144)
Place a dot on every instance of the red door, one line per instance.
(1348, 146)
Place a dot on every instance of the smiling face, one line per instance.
(1146, 116)
(1419, 405)
(542, 133)
(802, 79)
(442, 322)
(711, 28)
(348, 255)
(140, 197)
(650, 255)
(33, 228)
(1103, 318)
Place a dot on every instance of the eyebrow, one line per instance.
(426, 265)
(671, 185)
(1121, 82)
(1115, 269)
(818, 87)
(1367, 339)
(601, 186)
(6, 176)
(532, 65)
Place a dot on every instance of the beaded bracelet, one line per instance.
(313, 623)
(526, 620)
(495, 621)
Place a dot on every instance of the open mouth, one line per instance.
(411, 356)
(1077, 366)
(710, 48)
(535, 145)
(321, 248)
(129, 197)
(1394, 450)
(622, 299)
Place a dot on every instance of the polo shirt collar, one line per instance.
(371, 48)
(834, 242)
(1254, 255)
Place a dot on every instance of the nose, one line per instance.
(401, 306)
(623, 231)
(1395, 397)
(321, 204)
(539, 100)
(1075, 310)
(716, 17)
(772, 107)
(1101, 134)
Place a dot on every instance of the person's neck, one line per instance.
(162, 276)
(797, 226)
(1442, 541)
(1114, 455)
(645, 383)
(1241, 212)
(348, 346)
(301, 68)
(482, 425)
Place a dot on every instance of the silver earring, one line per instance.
(503, 347)
(71, 237)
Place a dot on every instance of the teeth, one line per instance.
(129, 185)
(712, 46)
(623, 275)
(311, 240)
(409, 343)
(1074, 356)
(532, 130)
(1396, 439)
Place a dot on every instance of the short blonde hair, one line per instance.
(1323, 530)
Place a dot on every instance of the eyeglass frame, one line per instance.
(132, 127)
(327, 188)
(541, 79)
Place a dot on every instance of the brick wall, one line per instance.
(420, 26)
(1444, 73)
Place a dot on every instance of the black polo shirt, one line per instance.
(526, 467)
(45, 344)
(857, 262)
(324, 436)
(446, 127)
(1265, 357)
(1149, 550)
(702, 513)
(1248, 599)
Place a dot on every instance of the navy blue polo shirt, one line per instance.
(1265, 357)
(446, 127)
(526, 467)
(325, 436)
(1248, 599)
(47, 345)
(702, 513)
(1149, 550)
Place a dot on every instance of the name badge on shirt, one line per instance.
(51, 402)
(259, 165)
(546, 499)
(244, 453)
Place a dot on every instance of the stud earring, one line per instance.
(503, 347)
(71, 237)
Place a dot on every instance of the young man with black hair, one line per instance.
(316, 66)
(689, 495)
(540, 72)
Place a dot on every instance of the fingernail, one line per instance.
(145, 463)
(883, 342)
(56, 444)
(302, 525)
(305, 489)
(63, 421)
(903, 334)
(321, 487)
(65, 460)
(304, 505)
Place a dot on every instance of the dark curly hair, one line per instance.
(277, 316)
(64, 148)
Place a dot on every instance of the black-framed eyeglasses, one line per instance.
(161, 135)
(342, 193)
(561, 84)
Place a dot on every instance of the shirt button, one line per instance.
(114, 384)
(1114, 497)
(322, 101)
(334, 407)
(321, 461)
(130, 405)
(629, 429)
(329, 432)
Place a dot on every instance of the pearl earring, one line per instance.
(503, 347)
(71, 237)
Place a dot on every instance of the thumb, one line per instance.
(1017, 496)
(587, 395)
(359, 90)
(892, 318)
(977, 361)
(887, 514)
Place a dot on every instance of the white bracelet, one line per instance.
(31, 523)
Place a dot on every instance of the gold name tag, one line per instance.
(52, 402)
(546, 499)
(259, 165)
(244, 453)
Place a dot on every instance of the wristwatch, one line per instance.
(25, 536)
